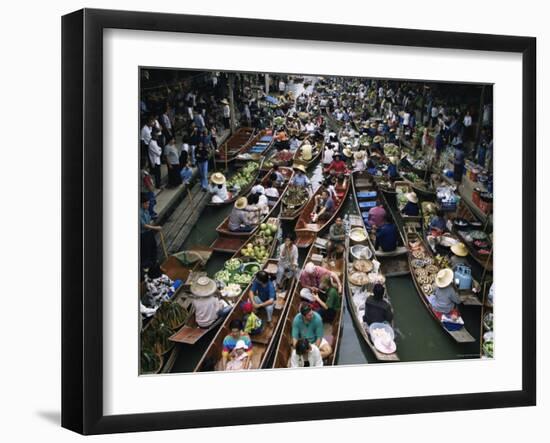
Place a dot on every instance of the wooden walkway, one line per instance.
(184, 217)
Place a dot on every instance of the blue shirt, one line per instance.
(437, 223)
(386, 237)
(392, 171)
(300, 180)
(265, 293)
(438, 142)
(312, 331)
(144, 219)
(410, 209)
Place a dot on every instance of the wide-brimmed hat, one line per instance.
(218, 178)
(241, 203)
(299, 168)
(359, 155)
(393, 160)
(412, 197)
(459, 249)
(383, 337)
(203, 287)
(385, 345)
(377, 139)
(224, 101)
(444, 278)
(347, 152)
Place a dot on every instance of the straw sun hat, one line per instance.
(241, 203)
(347, 152)
(377, 139)
(459, 249)
(412, 197)
(359, 155)
(203, 287)
(224, 101)
(444, 278)
(300, 168)
(217, 178)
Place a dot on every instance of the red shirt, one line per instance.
(338, 166)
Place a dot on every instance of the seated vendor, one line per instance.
(377, 310)
(386, 236)
(324, 207)
(337, 166)
(337, 236)
(239, 219)
(411, 208)
(218, 188)
(307, 324)
(445, 297)
(230, 341)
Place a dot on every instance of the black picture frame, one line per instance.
(82, 232)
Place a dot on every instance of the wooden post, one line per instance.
(230, 81)
(163, 243)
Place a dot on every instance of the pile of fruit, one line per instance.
(244, 177)
(391, 150)
(233, 273)
(259, 247)
(413, 177)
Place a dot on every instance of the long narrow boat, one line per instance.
(245, 189)
(423, 272)
(408, 222)
(229, 150)
(481, 251)
(231, 241)
(306, 231)
(356, 297)
(257, 146)
(366, 196)
(263, 343)
(332, 331)
(317, 149)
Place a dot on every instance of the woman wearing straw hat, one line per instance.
(239, 220)
(300, 178)
(459, 254)
(208, 307)
(337, 166)
(411, 208)
(218, 188)
(445, 298)
(359, 161)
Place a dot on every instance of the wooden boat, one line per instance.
(263, 343)
(332, 331)
(356, 296)
(243, 191)
(230, 241)
(419, 252)
(176, 270)
(317, 149)
(465, 213)
(229, 150)
(366, 196)
(306, 231)
(420, 187)
(257, 146)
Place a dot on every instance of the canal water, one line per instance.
(419, 337)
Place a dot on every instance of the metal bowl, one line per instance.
(361, 252)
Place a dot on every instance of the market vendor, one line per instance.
(312, 275)
(459, 252)
(218, 188)
(276, 175)
(337, 166)
(377, 216)
(377, 310)
(324, 207)
(262, 294)
(306, 151)
(300, 178)
(281, 140)
(287, 267)
(386, 236)
(337, 236)
(445, 297)
(307, 324)
(359, 161)
(305, 355)
(411, 208)
(239, 219)
(208, 307)
(392, 169)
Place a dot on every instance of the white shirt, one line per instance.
(146, 134)
(468, 120)
(310, 127)
(434, 112)
(221, 193)
(327, 156)
(155, 151)
(166, 121)
(272, 192)
(282, 86)
(406, 118)
(263, 204)
(226, 111)
(206, 310)
(314, 358)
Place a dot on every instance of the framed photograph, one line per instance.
(269, 221)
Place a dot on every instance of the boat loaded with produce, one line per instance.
(241, 182)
